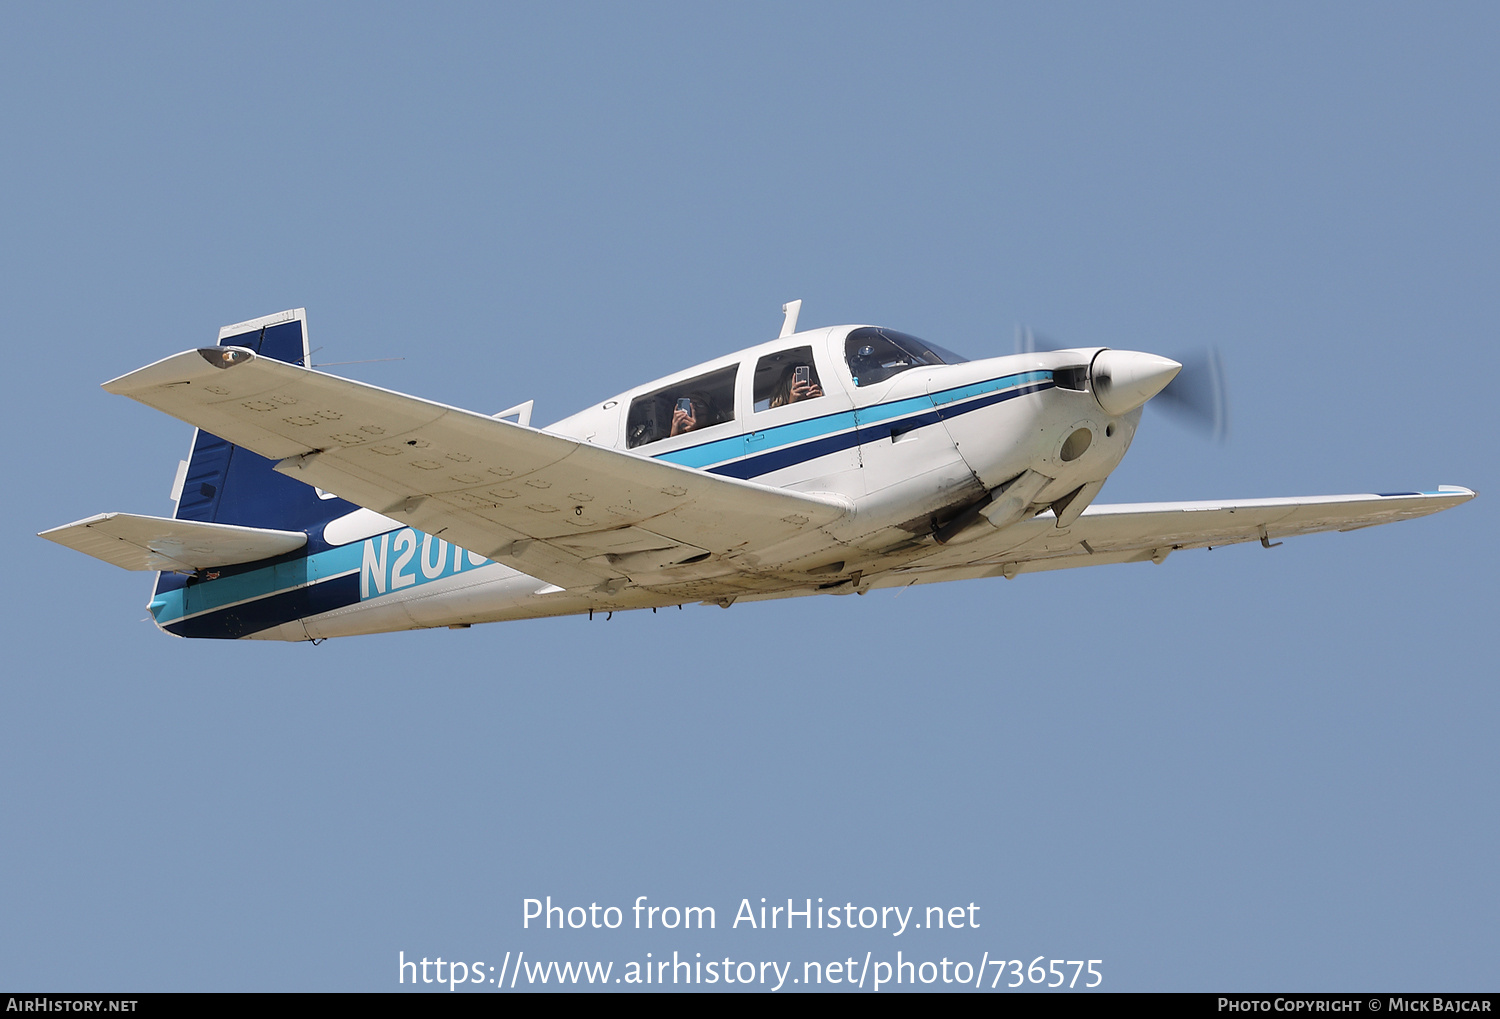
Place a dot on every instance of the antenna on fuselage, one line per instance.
(789, 325)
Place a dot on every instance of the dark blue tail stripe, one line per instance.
(251, 617)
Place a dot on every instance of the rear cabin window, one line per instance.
(687, 406)
(779, 382)
(875, 355)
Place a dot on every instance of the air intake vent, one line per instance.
(1074, 377)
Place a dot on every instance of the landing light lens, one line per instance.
(1077, 445)
(224, 357)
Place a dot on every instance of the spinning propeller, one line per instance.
(1197, 397)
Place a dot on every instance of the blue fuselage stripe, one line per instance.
(264, 613)
(787, 456)
(206, 595)
(800, 441)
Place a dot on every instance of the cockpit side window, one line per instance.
(687, 406)
(875, 355)
(785, 378)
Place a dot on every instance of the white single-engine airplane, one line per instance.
(828, 461)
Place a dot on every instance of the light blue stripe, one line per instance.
(797, 431)
(195, 598)
(991, 386)
(764, 440)
(708, 453)
(886, 411)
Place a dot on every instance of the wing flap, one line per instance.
(134, 542)
(512, 493)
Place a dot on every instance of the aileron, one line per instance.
(1131, 527)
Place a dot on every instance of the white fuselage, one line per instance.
(917, 457)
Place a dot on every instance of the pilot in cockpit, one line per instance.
(797, 384)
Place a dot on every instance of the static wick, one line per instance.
(368, 360)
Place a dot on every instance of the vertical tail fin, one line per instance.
(225, 484)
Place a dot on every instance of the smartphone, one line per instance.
(801, 374)
(686, 406)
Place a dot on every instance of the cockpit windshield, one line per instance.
(876, 354)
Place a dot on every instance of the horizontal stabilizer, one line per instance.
(134, 542)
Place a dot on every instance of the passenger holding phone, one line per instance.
(796, 384)
(689, 412)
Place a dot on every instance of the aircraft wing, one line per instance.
(557, 508)
(1136, 532)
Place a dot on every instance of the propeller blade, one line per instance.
(1029, 342)
(1197, 396)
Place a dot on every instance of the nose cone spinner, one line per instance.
(1122, 380)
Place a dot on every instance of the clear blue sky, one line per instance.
(1240, 770)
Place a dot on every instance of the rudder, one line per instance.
(226, 484)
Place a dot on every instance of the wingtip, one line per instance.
(180, 367)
